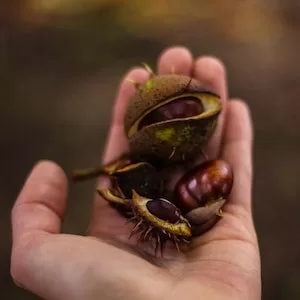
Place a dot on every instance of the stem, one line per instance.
(107, 169)
(89, 173)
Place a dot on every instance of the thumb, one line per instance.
(37, 213)
(41, 204)
(229, 252)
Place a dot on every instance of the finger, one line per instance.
(231, 245)
(211, 72)
(237, 151)
(41, 203)
(176, 59)
(117, 143)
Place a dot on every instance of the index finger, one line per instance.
(117, 142)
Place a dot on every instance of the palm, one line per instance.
(224, 257)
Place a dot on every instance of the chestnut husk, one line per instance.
(177, 139)
(141, 177)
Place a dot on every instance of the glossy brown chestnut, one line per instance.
(164, 210)
(207, 182)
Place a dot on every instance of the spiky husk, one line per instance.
(150, 233)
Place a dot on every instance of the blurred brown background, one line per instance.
(61, 62)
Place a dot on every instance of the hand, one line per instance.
(224, 263)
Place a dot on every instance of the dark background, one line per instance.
(61, 62)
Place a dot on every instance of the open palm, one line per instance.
(105, 264)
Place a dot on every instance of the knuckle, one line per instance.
(21, 259)
(17, 267)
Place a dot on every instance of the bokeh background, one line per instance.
(61, 62)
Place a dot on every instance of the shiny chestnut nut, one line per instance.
(202, 192)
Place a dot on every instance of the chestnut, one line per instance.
(203, 191)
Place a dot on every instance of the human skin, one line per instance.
(223, 263)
